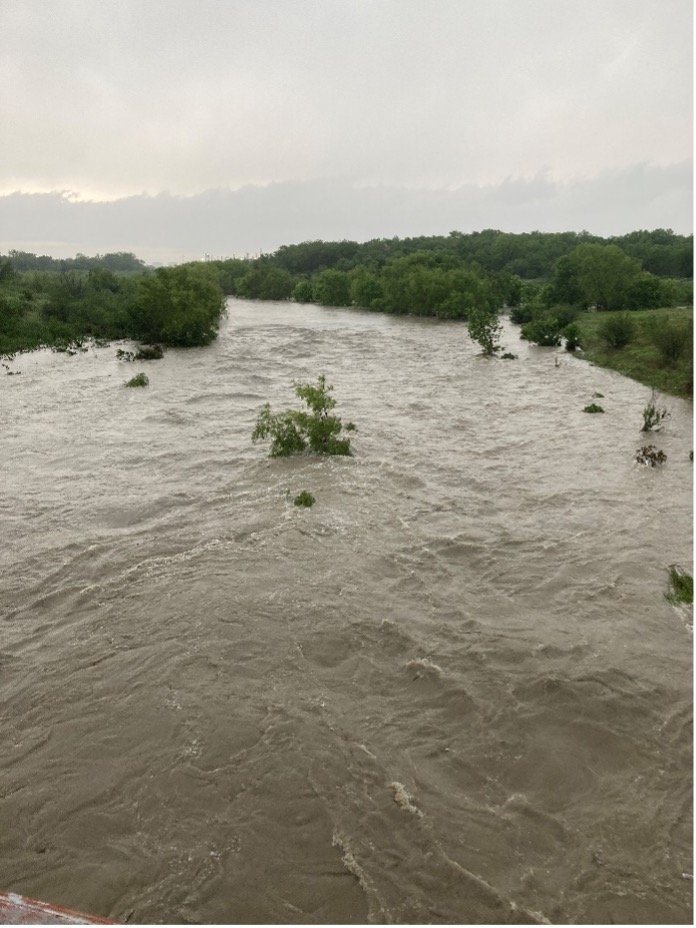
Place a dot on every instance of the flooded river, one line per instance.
(451, 692)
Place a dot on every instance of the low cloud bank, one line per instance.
(260, 219)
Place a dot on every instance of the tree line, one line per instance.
(119, 261)
(530, 255)
(448, 276)
(544, 278)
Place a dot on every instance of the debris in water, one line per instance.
(403, 798)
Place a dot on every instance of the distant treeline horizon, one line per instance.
(529, 255)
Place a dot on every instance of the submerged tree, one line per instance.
(294, 431)
(654, 415)
(485, 328)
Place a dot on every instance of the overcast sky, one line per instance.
(177, 127)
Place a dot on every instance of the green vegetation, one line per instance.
(177, 306)
(545, 332)
(294, 431)
(120, 262)
(484, 328)
(571, 333)
(47, 303)
(599, 275)
(641, 359)
(672, 337)
(140, 380)
(681, 586)
(617, 331)
(304, 498)
(593, 407)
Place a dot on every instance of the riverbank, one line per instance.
(640, 359)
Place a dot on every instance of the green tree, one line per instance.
(332, 288)
(178, 306)
(316, 429)
(485, 328)
(303, 292)
(673, 338)
(266, 282)
(603, 275)
(646, 292)
(366, 289)
(566, 287)
(545, 331)
(7, 271)
(230, 271)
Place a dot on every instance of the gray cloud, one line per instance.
(254, 219)
(121, 96)
(445, 112)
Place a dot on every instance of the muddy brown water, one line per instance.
(452, 691)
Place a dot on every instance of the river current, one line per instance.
(452, 691)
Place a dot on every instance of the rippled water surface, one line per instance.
(452, 691)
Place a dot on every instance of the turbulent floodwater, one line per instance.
(452, 691)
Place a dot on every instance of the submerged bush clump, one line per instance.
(571, 333)
(140, 380)
(304, 498)
(144, 353)
(544, 332)
(294, 431)
(593, 407)
(681, 586)
(485, 328)
(650, 456)
(654, 415)
(149, 353)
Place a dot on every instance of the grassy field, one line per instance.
(640, 358)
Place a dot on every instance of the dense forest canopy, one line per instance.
(530, 255)
(179, 306)
(446, 276)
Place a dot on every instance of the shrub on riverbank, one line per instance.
(617, 331)
(543, 332)
(641, 359)
(174, 306)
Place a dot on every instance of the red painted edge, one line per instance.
(20, 910)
